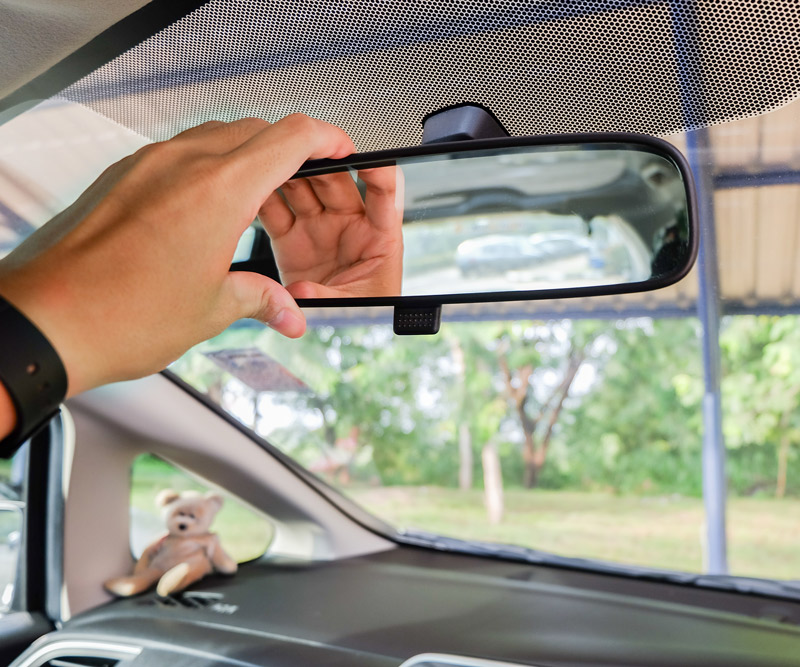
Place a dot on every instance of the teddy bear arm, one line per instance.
(146, 559)
(183, 574)
(136, 583)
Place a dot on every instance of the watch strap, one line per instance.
(32, 373)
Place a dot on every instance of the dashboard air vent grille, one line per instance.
(81, 661)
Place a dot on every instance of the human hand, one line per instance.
(328, 242)
(137, 269)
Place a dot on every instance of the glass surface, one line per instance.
(10, 543)
(48, 156)
(12, 506)
(532, 218)
(244, 533)
(401, 424)
(427, 432)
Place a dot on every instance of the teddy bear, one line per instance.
(185, 554)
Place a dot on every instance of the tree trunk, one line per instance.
(530, 471)
(464, 458)
(783, 457)
(492, 483)
(255, 411)
(518, 391)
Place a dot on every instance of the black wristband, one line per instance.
(32, 373)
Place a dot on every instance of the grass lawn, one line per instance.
(764, 534)
(664, 532)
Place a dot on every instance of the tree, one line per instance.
(639, 426)
(477, 410)
(561, 350)
(761, 386)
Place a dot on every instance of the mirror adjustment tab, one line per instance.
(409, 321)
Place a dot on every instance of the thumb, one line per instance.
(259, 297)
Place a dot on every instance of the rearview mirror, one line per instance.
(530, 218)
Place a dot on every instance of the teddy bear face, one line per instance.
(190, 513)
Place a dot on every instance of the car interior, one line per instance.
(382, 505)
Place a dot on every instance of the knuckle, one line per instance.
(209, 125)
(244, 128)
(158, 152)
(299, 122)
(251, 122)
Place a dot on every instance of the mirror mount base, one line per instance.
(461, 122)
(421, 321)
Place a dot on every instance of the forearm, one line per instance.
(8, 415)
(114, 294)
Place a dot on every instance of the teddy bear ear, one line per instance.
(165, 497)
(214, 500)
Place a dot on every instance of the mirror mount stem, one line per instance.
(461, 122)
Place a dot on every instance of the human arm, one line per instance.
(136, 270)
(8, 415)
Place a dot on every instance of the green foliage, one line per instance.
(632, 422)
(632, 432)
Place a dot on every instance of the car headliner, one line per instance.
(36, 34)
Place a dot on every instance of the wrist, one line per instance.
(45, 304)
(34, 381)
(8, 413)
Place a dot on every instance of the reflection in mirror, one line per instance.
(520, 219)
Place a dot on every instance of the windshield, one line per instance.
(577, 427)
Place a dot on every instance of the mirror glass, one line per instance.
(527, 218)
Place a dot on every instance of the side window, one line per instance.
(244, 533)
(12, 506)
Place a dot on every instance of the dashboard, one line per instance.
(421, 608)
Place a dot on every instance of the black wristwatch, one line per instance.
(32, 373)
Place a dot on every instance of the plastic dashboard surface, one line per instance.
(382, 610)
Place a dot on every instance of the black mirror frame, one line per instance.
(604, 140)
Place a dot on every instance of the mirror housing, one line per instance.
(525, 218)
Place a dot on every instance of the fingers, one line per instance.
(272, 156)
(275, 215)
(384, 198)
(258, 297)
(263, 156)
(218, 137)
(337, 192)
(300, 196)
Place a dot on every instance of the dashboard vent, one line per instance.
(195, 600)
(191, 600)
(78, 653)
(446, 660)
(81, 661)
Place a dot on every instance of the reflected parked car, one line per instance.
(498, 253)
